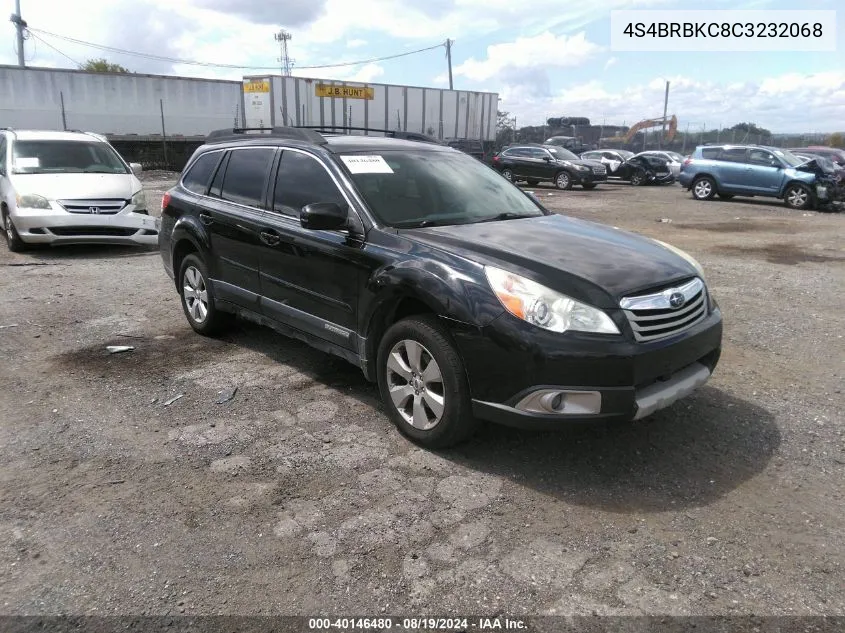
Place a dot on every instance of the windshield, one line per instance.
(66, 157)
(676, 157)
(562, 154)
(788, 157)
(423, 188)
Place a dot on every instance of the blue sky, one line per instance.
(551, 60)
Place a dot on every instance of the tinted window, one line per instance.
(710, 153)
(217, 183)
(245, 176)
(66, 157)
(536, 152)
(656, 161)
(197, 177)
(760, 157)
(517, 152)
(301, 180)
(563, 154)
(733, 155)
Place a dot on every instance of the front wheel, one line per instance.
(703, 188)
(13, 240)
(423, 384)
(639, 178)
(198, 298)
(563, 181)
(798, 197)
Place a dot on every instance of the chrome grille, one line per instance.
(108, 206)
(653, 316)
(600, 170)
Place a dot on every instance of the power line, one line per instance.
(68, 57)
(190, 62)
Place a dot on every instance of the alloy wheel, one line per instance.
(703, 189)
(563, 180)
(195, 294)
(508, 174)
(415, 383)
(797, 197)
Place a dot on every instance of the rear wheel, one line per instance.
(508, 174)
(13, 240)
(563, 180)
(798, 197)
(198, 298)
(703, 188)
(423, 384)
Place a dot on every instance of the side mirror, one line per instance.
(548, 159)
(324, 216)
(136, 168)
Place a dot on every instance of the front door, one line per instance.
(763, 172)
(731, 168)
(309, 279)
(232, 213)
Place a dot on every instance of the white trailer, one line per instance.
(273, 100)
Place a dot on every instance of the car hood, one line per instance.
(77, 186)
(587, 162)
(588, 261)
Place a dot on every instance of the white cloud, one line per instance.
(785, 103)
(356, 43)
(530, 52)
(366, 73)
(610, 62)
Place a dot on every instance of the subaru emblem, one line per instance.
(677, 299)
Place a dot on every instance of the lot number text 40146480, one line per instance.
(482, 625)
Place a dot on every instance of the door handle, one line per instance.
(270, 238)
(206, 219)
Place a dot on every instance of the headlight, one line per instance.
(140, 202)
(546, 308)
(32, 201)
(582, 168)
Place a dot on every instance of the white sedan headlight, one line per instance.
(546, 308)
(140, 201)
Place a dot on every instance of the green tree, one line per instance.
(103, 66)
(836, 140)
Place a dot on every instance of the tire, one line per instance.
(508, 175)
(639, 178)
(201, 313)
(726, 196)
(589, 185)
(703, 188)
(798, 197)
(435, 414)
(533, 183)
(13, 240)
(563, 180)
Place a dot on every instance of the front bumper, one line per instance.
(57, 226)
(587, 177)
(510, 364)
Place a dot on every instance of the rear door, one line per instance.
(309, 279)
(518, 160)
(232, 211)
(730, 170)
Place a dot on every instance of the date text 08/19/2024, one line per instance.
(417, 624)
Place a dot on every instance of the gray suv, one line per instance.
(754, 170)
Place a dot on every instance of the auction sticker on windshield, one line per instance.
(366, 164)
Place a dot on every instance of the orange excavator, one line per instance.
(671, 128)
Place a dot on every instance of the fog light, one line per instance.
(557, 401)
(561, 402)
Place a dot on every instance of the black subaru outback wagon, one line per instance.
(457, 292)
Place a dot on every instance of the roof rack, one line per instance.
(238, 133)
(334, 129)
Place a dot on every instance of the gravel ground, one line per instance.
(297, 496)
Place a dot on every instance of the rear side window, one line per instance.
(197, 177)
(733, 155)
(300, 181)
(711, 153)
(245, 176)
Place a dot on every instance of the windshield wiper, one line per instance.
(508, 215)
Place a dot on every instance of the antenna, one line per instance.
(283, 37)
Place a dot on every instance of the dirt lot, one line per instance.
(299, 497)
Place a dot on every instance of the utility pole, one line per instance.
(665, 110)
(20, 25)
(449, 61)
(283, 37)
